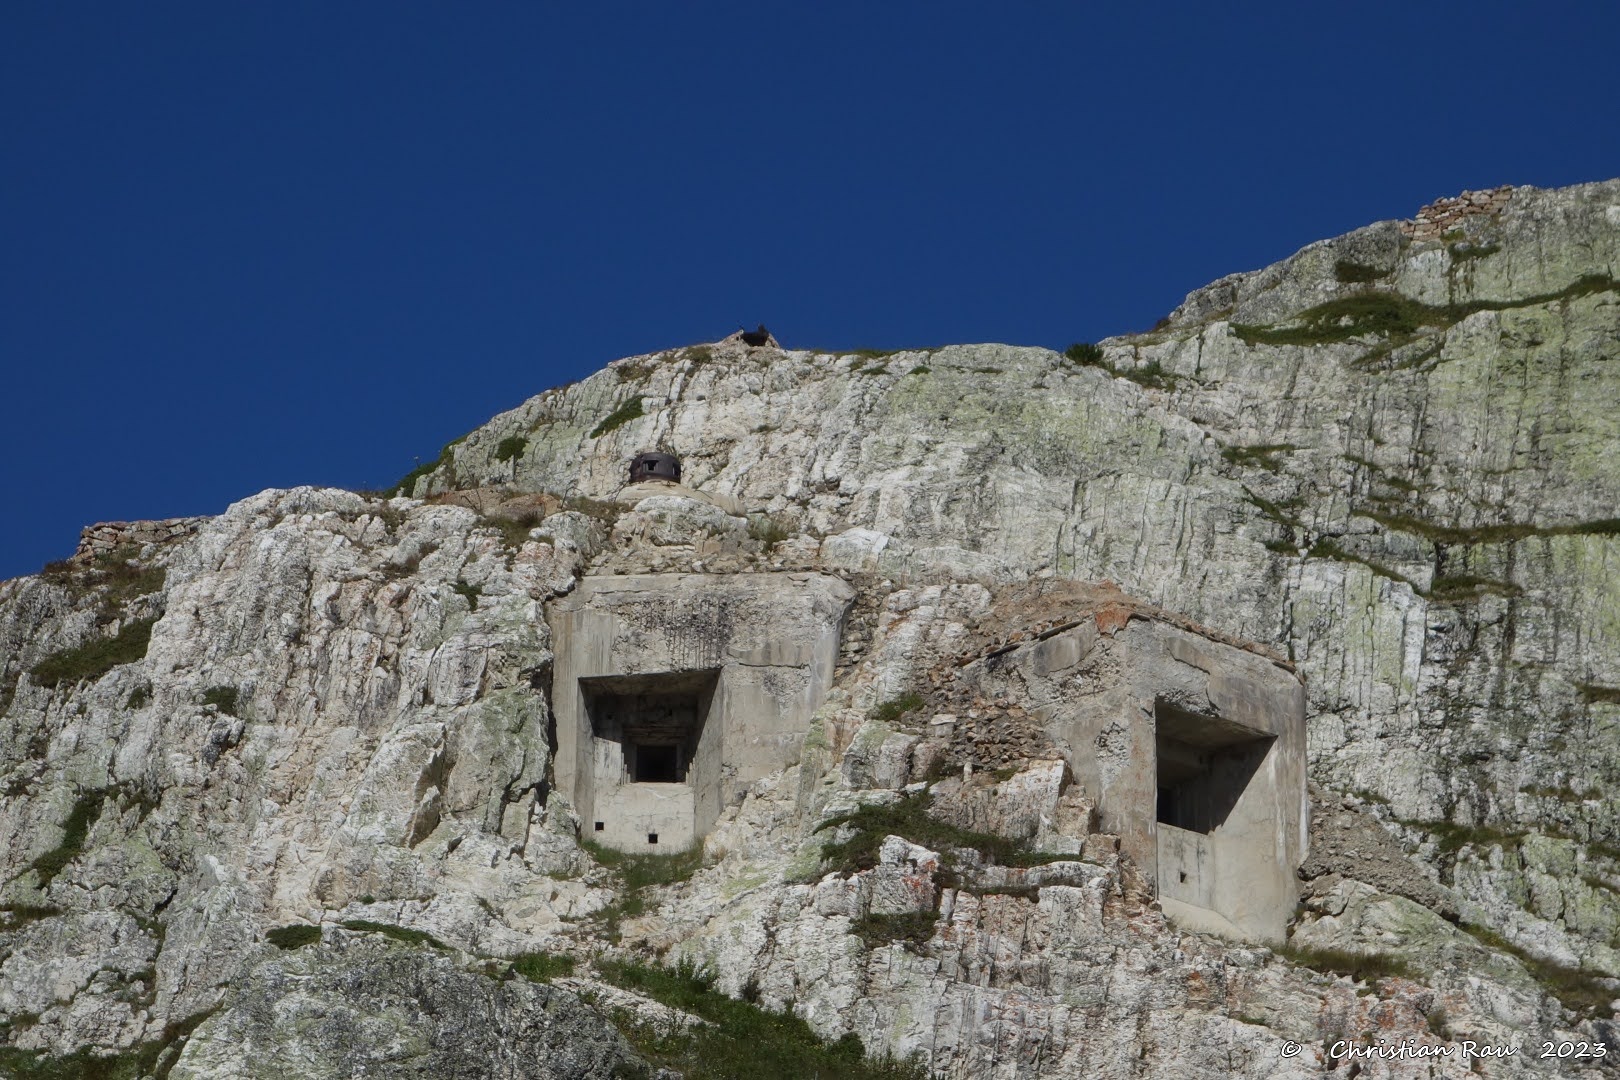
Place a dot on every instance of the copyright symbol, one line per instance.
(1290, 1049)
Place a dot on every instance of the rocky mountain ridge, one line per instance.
(1388, 462)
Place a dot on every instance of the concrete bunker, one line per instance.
(649, 756)
(1205, 764)
(656, 720)
(1193, 752)
(674, 692)
(1220, 825)
(650, 465)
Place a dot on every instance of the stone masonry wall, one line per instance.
(1441, 216)
(108, 536)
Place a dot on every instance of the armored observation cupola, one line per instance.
(654, 466)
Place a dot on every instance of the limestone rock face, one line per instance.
(368, 1008)
(696, 684)
(322, 721)
(1384, 470)
(1394, 457)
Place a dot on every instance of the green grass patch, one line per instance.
(511, 448)
(1593, 694)
(1329, 549)
(1398, 482)
(1364, 314)
(616, 419)
(139, 696)
(1084, 354)
(152, 1060)
(1561, 792)
(1461, 588)
(95, 658)
(86, 809)
(514, 530)
(909, 817)
(1022, 892)
(407, 484)
(637, 371)
(1151, 375)
(1601, 527)
(126, 579)
(1354, 273)
(1380, 358)
(638, 873)
(1284, 512)
(745, 1042)
(1592, 881)
(893, 709)
(393, 571)
(1395, 317)
(120, 579)
(1501, 533)
(15, 916)
(468, 592)
(543, 966)
(221, 697)
(768, 531)
(1020, 856)
(1365, 967)
(1451, 837)
(599, 509)
(398, 933)
(920, 369)
(391, 516)
(60, 571)
(910, 929)
(1264, 456)
(1448, 534)
(295, 936)
(643, 871)
(1579, 991)
(116, 577)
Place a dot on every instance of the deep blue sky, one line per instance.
(255, 245)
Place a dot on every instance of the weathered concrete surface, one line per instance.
(770, 642)
(1146, 713)
(632, 494)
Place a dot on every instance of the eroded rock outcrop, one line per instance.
(1383, 465)
(1392, 457)
(360, 1006)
